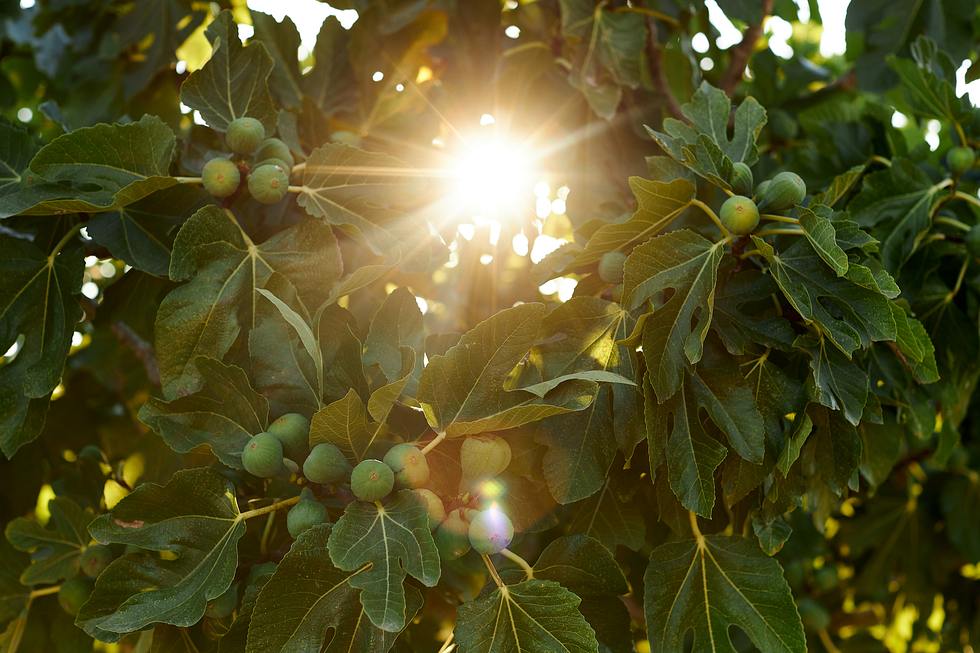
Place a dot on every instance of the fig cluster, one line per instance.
(283, 448)
(482, 459)
(740, 213)
(264, 162)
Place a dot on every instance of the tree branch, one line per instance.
(742, 51)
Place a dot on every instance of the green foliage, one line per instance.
(751, 425)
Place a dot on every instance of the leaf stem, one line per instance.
(966, 197)
(44, 591)
(297, 189)
(519, 561)
(876, 158)
(266, 532)
(827, 642)
(779, 232)
(952, 222)
(299, 167)
(65, 240)
(780, 218)
(433, 443)
(190, 180)
(711, 214)
(285, 503)
(447, 645)
(493, 571)
(652, 13)
(694, 526)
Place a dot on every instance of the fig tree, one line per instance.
(371, 480)
(262, 456)
(409, 465)
(221, 177)
(741, 178)
(74, 593)
(244, 135)
(273, 148)
(491, 531)
(268, 183)
(960, 159)
(293, 430)
(611, 267)
(94, 559)
(452, 536)
(785, 190)
(326, 464)
(433, 505)
(304, 515)
(739, 214)
(483, 457)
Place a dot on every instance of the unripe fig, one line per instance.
(260, 571)
(739, 215)
(761, 189)
(972, 240)
(293, 430)
(785, 190)
(826, 578)
(304, 515)
(279, 163)
(409, 465)
(94, 559)
(483, 457)
(782, 125)
(220, 177)
(268, 183)
(741, 179)
(611, 267)
(371, 480)
(326, 464)
(814, 615)
(452, 537)
(491, 531)
(74, 593)
(960, 159)
(433, 504)
(244, 135)
(262, 456)
(273, 148)
(224, 605)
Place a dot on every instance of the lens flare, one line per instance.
(493, 177)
